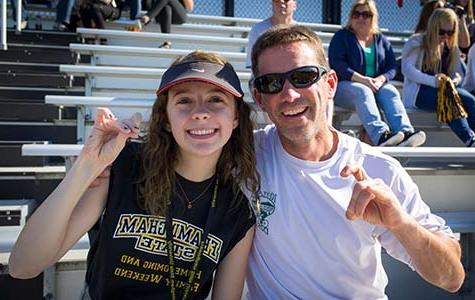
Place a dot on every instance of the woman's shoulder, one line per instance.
(128, 156)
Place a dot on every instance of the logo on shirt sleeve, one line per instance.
(263, 208)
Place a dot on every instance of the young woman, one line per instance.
(429, 56)
(183, 182)
(364, 62)
(465, 18)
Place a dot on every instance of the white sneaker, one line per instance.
(23, 24)
(391, 139)
(413, 139)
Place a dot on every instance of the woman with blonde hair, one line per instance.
(364, 62)
(426, 59)
(172, 211)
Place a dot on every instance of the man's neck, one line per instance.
(282, 20)
(320, 148)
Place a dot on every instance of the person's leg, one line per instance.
(64, 10)
(86, 16)
(468, 101)
(164, 18)
(135, 7)
(97, 15)
(427, 100)
(354, 95)
(24, 8)
(389, 100)
(179, 13)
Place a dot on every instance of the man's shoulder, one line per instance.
(262, 25)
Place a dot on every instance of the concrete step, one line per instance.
(36, 37)
(37, 54)
(55, 80)
(55, 132)
(10, 152)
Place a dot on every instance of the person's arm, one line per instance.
(338, 56)
(464, 36)
(389, 67)
(188, 4)
(409, 70)
(374, 202)
(435, 255)
(231, 272)
(71, 209)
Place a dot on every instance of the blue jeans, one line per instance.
(463, 128)
(135, 7)
(357, 96)
(24, 7)
(64, 10)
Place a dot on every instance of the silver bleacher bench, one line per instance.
(144, 56)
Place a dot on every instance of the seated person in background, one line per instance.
(94, 13)
(364, 62)
(469, 79)
(168, 12)
(426, 12)
(464, 11)
(282, 14)
(426, 59)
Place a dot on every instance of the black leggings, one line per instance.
(168, 12)
(97, 12)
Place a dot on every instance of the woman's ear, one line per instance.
(168, 128)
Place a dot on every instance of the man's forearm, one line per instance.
(435, 256)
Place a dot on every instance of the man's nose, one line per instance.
(290, 93)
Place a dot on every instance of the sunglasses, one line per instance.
(301, 77)
(365, 14)
(446, 32)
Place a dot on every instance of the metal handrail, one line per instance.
(4, 24)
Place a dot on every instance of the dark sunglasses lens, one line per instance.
(364, 14)
(446, 32)
(304, 77)
(269, 84)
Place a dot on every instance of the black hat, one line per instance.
(222, 76)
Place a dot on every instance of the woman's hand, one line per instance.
(457, 79)
(108, 136)
(438, 78)
(145, 19)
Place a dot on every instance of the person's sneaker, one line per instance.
(390, 139)
(471, 143)
(23, 24)
(413, 139)
(166, 45)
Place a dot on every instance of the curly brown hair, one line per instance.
(236, 164)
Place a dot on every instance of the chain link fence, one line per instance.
(391, 16)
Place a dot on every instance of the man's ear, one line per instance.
(332, 81)
(258, 98)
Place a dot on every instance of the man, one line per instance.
(329, 202)
(282, 14)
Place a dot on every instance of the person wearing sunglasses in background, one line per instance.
(364, 62)
(426, 59)
(328, 202)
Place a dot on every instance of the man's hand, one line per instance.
(372, 200)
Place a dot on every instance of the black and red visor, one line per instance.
(222, 76)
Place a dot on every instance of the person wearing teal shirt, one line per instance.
(364, 62)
